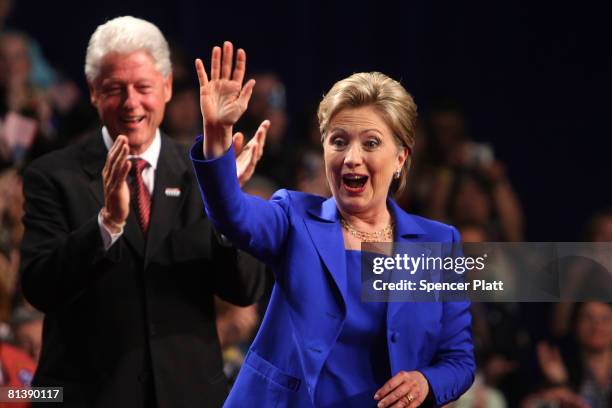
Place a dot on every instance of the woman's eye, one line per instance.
(338, 142)
(372, 143)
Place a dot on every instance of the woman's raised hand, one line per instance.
(247, 157)
(223, 98)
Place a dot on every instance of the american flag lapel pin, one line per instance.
(172, 192)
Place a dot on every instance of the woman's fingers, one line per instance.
(397, 396)
(405, 389)
(240, 68)
(409, 397)
(260, 138)
(228, 54)
(215, 64)
(245, 93)
(238, 142)
(221, 66)
(202, 77)
(247, 160)
(223, 99)
(389, 386)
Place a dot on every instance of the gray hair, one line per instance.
(125, 35)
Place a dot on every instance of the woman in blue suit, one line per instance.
(319, 345)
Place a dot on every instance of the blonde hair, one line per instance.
(387, 96)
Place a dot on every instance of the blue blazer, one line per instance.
(299, 235)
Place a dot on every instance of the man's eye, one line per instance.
(145, 88)
(113, 90)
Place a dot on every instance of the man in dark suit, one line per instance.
(117, 251)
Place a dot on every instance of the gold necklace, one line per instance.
(384, 235)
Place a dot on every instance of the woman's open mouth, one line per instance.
(354, 183)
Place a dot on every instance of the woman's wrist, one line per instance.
(217, 140)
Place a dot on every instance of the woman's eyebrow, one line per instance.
(370, 130)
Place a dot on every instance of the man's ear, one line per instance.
(168, 87)
(93, 95)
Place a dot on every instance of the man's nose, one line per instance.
(130, 98)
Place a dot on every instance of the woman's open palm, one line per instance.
(223, 98)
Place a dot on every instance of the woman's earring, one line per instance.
(397, 174)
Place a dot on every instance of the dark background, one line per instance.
(533, 79)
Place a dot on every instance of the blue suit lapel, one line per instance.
(406, 226)
(326, 234)
(407, 230)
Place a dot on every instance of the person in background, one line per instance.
(11, 232)
(585, 274)
(27, 327)
(260, 186)
(16, 371)
(466, 182)
(599, 227)
(269, 102)
(584, 365)
(182, 117)
(25, 110)
(236, 327)
(311, 174)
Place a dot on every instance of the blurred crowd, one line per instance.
(529, 354)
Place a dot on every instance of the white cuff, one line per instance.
(108, 238)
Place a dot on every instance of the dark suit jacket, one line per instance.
(137, 317)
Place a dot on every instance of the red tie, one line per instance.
(140, 194)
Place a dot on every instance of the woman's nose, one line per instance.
(353, 156)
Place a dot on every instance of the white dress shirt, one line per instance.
(151, 155)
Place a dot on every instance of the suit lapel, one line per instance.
(407, 231)
(94, 157)
(172, 177)
(326, 234)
